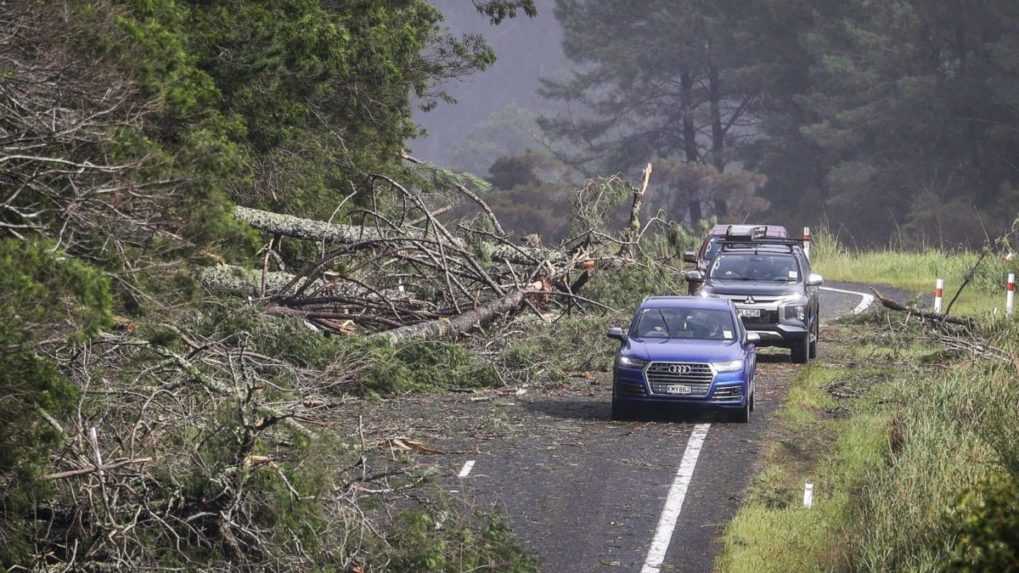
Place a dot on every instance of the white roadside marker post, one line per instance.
(808, 495)
(939, 293)
(1010, 296)
(806, 242)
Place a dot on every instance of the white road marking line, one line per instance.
(868, 299)
(808, 495)
(674, 502)
(468, 465)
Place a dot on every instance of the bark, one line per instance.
(229, 279)
(312, 230)
(717, 131)
(633, 228)
(309, 229)
(690, 139)
(452, 327)
(932, 316)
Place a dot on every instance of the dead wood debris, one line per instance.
(955, 334)
(407, 275)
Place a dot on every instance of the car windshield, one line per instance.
(700, 323)
(755, 267)
(714, 245)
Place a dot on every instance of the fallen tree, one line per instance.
(444, 328)
(404, 274)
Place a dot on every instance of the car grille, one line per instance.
(757, 299)
(697, 376)
(767, 317)
(728, 393)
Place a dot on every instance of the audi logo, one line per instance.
(680, 369)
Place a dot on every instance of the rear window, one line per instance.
(756, 267)
(698, 323)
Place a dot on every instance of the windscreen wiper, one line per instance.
(665, 323)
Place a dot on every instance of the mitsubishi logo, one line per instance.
(750, 300)
(680, 369)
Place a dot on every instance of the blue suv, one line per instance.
(684, 350)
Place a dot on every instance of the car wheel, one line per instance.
(743, 415)
(621, 411)
(801, 350)
(753, 401)
(817, 337)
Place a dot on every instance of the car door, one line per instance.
(812, 292)
(751, 352)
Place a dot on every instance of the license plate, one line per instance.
(750, 312)
(677, 389)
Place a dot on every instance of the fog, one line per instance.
(527, 49)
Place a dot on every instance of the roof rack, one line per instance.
(757, 244)
(748, 231)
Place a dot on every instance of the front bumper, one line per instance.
(782, 334)
(727, 390)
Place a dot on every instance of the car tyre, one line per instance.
(743, 415)
(801, 350)
(622, 411)
(817, 337)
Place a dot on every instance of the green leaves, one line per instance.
(44, 295)
(287, 105)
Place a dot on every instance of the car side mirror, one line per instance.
(815, 280)
(694, 276)
(753, 338)
(690, 257)
(617, 333)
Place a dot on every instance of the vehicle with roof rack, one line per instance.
(684, 351)
(771, 284)
(703, 256)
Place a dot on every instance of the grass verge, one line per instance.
(909, 454)
(916, 271)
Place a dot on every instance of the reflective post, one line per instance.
(1010, 296)
(939, 294)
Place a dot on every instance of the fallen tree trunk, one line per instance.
(308, 229)
(230, 279)
(932, 316)
(313, 230)
(452, 327)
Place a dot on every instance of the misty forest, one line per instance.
(228, 227)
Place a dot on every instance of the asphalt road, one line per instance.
(587, 494)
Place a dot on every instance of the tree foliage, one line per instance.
(290, 105)
(888, 117)
(658, 79)
(44, 296)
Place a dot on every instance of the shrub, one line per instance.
(43, 295)
(988, 527)
(424, 543)
(418, 366)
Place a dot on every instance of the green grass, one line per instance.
(773, 531)
(916, 271)
(893, 441)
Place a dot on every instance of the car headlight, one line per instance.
(624, 361)
(795, 312)
(794, 307)
(730, 366)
